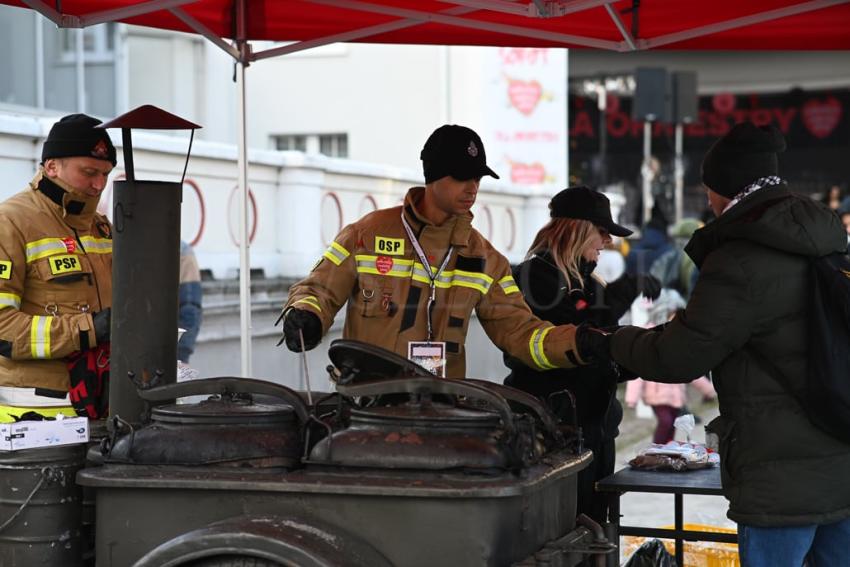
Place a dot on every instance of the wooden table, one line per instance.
(703, 481)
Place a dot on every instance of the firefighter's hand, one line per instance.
(594, 345)
(102, 321)
(307, 323)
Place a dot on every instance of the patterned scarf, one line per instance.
(759, 183)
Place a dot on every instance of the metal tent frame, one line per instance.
(489, 22)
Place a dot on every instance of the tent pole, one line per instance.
(244, 231)
(680, 172)
(646, 171)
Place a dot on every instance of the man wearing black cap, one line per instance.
(746, 322)
(55, 275)
(413, 274)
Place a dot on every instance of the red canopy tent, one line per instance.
(619, 25)
(622, 25)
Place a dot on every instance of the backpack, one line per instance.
(827, 394)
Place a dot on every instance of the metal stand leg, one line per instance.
(612, 529)
(680, 552)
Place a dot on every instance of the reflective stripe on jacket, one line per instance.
(372, 265)
(52, 279)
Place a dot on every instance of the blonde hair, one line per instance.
(565, 239)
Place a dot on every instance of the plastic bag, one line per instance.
(651, 554)
(685, 423)
(675, 456)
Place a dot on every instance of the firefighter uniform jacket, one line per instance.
(373, 265)
(55, 270)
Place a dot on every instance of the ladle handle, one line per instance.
(227, 385)
(432, 386)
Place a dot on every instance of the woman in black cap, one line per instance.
(559, 285)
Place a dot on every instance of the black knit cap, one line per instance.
(746, 153)
(75, 135)
(456, 151)
(586, 204)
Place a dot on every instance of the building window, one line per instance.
(332, 145)
(296, 142)
(98, 43)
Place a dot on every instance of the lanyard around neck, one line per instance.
(432, 277)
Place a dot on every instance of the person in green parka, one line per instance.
(787, 482)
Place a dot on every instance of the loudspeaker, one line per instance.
(685, 101)
(652, 94)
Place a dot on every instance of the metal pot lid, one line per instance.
(426, 415)
(357, 360)
(218, 410)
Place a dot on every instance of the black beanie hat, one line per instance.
(746, 153)
(75, 135)
(456, 151)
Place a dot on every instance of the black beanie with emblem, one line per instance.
(455, 151)
(75, 135)
(746, 153)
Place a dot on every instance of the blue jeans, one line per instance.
(824, 545)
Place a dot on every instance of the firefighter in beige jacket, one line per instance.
(55, 265)
(380, 265)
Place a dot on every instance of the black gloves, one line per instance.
(307, 322)
(594, 345)
(627, 287)
(102, 320)
(649, 286)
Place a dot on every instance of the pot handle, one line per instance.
(420, 385)
(227, 385)
(523, 398)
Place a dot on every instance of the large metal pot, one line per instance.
(228, 429)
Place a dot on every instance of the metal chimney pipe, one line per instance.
(145, 276)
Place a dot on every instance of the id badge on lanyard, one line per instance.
(429, 354)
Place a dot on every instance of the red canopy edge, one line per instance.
(601, 24)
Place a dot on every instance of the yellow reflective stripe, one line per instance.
(9, 413)
(508, 285)
(44, 248)
(454, 278)
(311, 301)
(474, 280)
(341, 249)
(10, 300)
(94, 245)
(40, 336)
(535, 345)
(367, 264)
(336, 253)
(329, 255)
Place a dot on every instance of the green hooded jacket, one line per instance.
(746, 319)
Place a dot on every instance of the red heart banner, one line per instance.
(527, 174)
(524, 95)
(822, 116)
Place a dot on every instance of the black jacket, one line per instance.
(749, 307)
(546, 292)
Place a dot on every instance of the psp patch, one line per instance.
(64, 264)
(5, 269)
(389, 246)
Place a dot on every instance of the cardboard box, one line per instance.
(32, 434)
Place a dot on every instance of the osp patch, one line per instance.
(389, 246)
